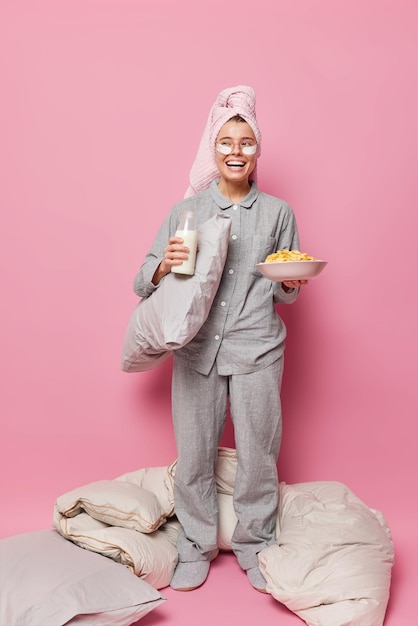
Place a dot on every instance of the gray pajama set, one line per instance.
(238, 356)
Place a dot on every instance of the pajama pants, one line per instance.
(199, 413)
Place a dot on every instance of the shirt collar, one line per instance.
(224, 203)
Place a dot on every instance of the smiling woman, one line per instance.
(226, 362)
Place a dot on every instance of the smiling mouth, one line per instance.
(235, 164)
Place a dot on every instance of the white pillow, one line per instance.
(114, 502)
(174, 313)
(332, 561)
(46, 580)
(227, 521)
(226, 470)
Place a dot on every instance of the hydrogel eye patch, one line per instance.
(227, 149)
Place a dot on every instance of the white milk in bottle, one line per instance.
(187, 231)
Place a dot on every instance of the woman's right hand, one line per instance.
(174, 254)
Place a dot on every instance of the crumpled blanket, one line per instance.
(331, 563)
(129, 519)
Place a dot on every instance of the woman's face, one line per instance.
(236, 166)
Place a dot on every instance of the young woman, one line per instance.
(237, 356)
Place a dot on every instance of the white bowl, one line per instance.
(278, 271)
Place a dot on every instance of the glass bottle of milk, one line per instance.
(188, 232)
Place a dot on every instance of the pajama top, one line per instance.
(243, 332)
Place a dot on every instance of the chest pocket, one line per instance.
(260, 247)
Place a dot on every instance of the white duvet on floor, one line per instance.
(332, 561)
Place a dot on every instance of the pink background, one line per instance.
(102, 108)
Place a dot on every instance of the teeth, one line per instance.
(236, 163)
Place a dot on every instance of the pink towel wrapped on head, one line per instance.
(232, 101)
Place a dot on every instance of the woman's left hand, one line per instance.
(294, 284)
